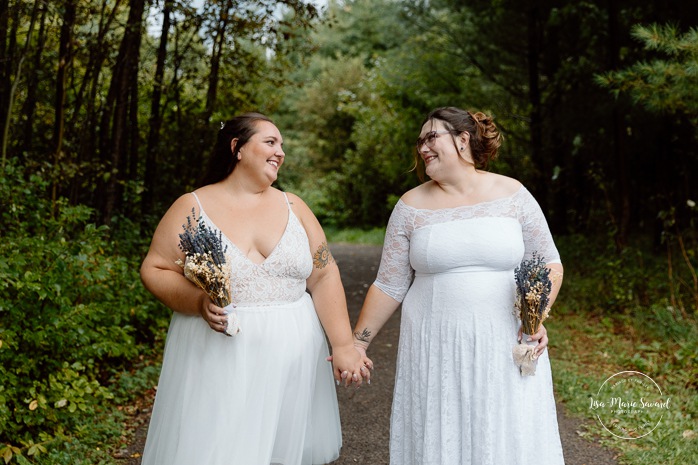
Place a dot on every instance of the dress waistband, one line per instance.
(272, 305)
(463, 269)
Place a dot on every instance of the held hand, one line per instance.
(367, 367)
(541, 336)
(348, 367)
(361, 349)
(365, 370)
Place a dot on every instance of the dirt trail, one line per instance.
(365, 412)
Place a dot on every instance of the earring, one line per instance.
(462, 148)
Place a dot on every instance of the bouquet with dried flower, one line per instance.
(533, 286)
(205, 265)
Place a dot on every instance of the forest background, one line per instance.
(109, 109)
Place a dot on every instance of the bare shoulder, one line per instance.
(296, 202)
(209, 196)
(503, 186)
(164, 250)
(301, 209)
(184, 206)
(418, 197)
(316, 235)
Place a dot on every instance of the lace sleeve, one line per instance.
(395, 272)
(536, 234)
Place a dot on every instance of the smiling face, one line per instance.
(263, 153)
(440, 149)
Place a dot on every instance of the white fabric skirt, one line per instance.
(265, 396)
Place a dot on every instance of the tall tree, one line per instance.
(65, 58)
(33, 81)
(156, 116)
(533, 45)
(10, 90)
(6, 50)
(117, 142)
(87, 103)
(619, 149)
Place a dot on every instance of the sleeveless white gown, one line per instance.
(265, 396)
(459, 398)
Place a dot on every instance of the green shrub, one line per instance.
(72, 315)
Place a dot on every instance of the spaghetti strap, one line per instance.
(201, 209)
(286, 197)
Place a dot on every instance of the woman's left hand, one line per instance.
(348, 366)
(541, 336)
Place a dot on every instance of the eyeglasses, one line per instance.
(430, 138)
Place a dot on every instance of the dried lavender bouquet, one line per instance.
(206, 265)
(533, 286)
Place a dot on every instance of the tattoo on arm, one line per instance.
(363, 336)
(322, 257)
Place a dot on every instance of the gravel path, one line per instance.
(365, 412)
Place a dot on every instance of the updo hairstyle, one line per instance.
(485, 139)
(223, 159)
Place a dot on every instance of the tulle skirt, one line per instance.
(265, 396)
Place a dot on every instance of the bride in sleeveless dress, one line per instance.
(266, 395)
(451, 247)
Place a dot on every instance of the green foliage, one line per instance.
(70, 317)
(373, 236)
(596, 333)
(666, 84)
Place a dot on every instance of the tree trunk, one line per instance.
(114, 130)
(540, 185)
(87, 122)
(557, 148)
(216, 54)
(29, 107)
(65, 57)
(5, 68)
(97, 55)
(12, 88)
(212, 91)
(619, 152)
(156, 114)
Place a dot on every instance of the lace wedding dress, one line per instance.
(459, 398)
(265, 396)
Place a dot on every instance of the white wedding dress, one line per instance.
(459, 398)
(264, 396)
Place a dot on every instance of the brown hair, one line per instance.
(484, 140)
(223, 159)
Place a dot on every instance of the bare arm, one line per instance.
(377, 309)
(326, 289)
(164, 278)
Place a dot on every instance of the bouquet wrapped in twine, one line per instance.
(206, 265)
(533, 286)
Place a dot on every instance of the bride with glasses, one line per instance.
(450, 251)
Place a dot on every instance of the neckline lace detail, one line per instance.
(474, 205)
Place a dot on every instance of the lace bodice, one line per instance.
(280, 278)
(395, 273)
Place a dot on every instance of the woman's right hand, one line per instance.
(213, 315)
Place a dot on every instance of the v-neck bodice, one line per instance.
(280, 278)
